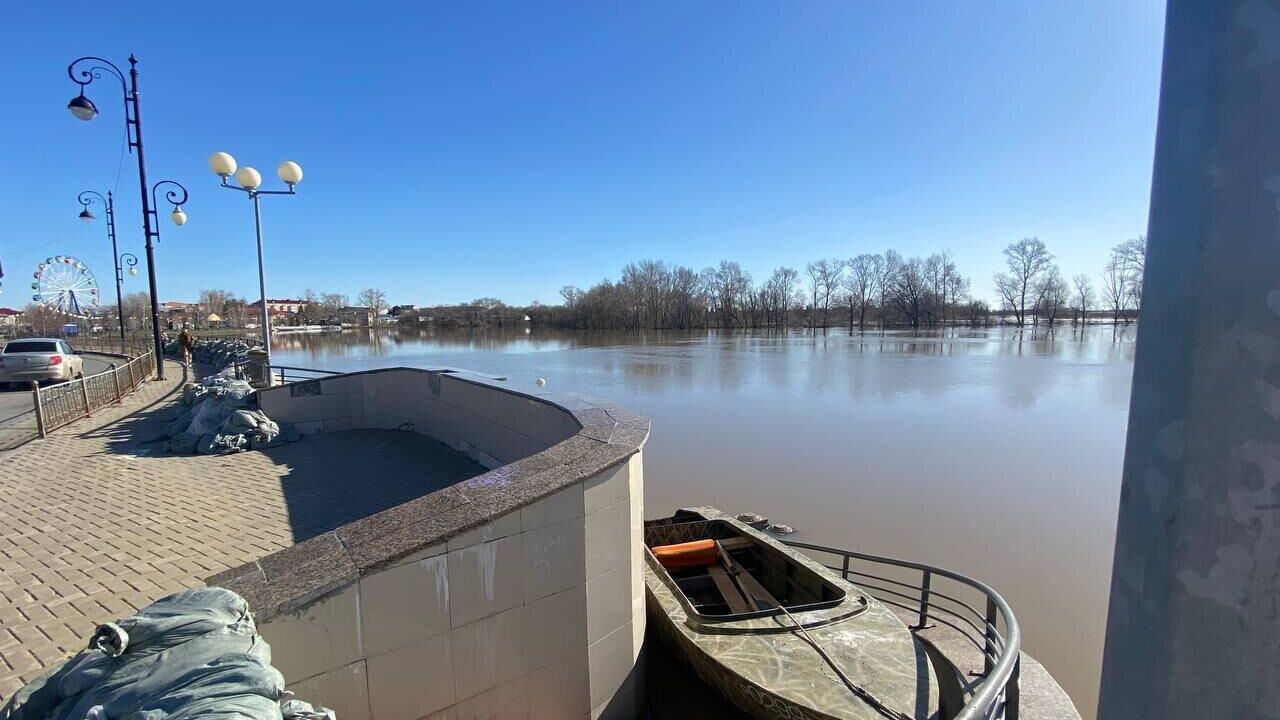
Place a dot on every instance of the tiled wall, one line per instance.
(493, 426)
(538, 614)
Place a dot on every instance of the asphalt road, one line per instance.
(17, 415)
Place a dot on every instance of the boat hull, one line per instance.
(770, 671)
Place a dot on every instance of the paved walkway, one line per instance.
(96, 523)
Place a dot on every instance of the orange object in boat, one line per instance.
(698, 553)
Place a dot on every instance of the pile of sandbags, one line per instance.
(220, 415)
(193, 654)
(218, 353)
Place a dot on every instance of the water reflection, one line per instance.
(991, 450)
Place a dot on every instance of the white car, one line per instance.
(39, 360)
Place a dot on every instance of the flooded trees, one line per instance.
(907, 289)
(1083, 290)
(1028, 260)
(1052, 295)
(824, 279)
(862, 284)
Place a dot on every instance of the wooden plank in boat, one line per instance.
(727, 588)
(751, 587)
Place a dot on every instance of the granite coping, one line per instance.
(287, 580)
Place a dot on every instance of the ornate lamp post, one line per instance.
(223, 165)
(91, 68)
(86, 198)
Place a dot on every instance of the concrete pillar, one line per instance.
(1194, 624)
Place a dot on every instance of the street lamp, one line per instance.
(88, 197)
(250, 180)
(82, 108)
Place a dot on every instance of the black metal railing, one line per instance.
(282, 374)
(919, 589)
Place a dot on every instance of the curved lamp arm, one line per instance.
(94, 72)
(87, 197)
(171, 196)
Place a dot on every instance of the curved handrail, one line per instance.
(1001, 664)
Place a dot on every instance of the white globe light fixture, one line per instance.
(249, 181)
(133, 271)
(248, 178)
(290, 172)
(178, 216)
(222, 164)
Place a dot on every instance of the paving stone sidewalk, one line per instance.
(95, 523)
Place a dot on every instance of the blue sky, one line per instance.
(461, 150)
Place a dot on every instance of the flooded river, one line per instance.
(993, 452)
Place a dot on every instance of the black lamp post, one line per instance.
(86, 198)
(84, 109)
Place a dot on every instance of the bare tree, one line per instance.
(1027, 260)
(957, 287)
(1083, 296)
(211, 302)
(824, 279)
(687, 297)
(1132, 256)
(137, 310)
(907, 290)
(1052, 294)
(861, 284)
(888, 270)
(374, 299)
(1115, 283)
(783, 285)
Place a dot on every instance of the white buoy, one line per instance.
(541, 381)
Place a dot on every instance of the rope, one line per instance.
(859, 691)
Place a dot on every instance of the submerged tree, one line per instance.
(1083, 296)
(824, 279)
(1027, 259)
(1115, 286)
(862, 284)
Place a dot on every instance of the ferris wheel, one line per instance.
(65, 284)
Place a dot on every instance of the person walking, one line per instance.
(188, 342)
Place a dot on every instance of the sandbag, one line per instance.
(193, 654)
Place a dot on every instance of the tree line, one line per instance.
(879, 289)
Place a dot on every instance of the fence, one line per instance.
(129, 346)
(60, 404)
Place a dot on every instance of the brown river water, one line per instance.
(993, 452)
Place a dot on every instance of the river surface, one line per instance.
(995, 452)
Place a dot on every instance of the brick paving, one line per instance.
(96, 523)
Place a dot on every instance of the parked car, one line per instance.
(39, 359)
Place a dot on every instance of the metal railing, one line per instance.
(129, 347)
(281, 374)
(58, 405)
(936, 595)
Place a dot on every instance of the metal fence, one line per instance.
(130, 346)
(60, 404)
(935, 597)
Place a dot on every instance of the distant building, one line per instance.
(355, 315)
(173, 314)
(282, 307)
(9, 320)
(398, 310)
(282, 312)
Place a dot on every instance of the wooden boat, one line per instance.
(776, 633)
